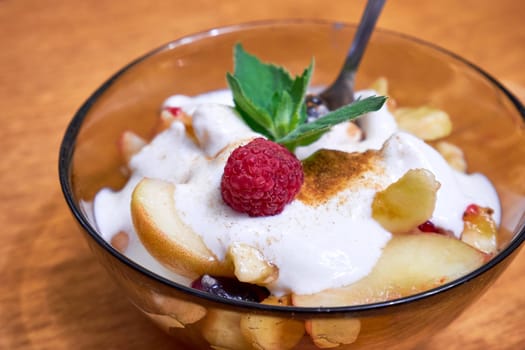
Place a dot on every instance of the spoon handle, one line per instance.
(341, 92)
(364, 31)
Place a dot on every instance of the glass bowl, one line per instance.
(488, 125)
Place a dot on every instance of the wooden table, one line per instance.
(53, 294)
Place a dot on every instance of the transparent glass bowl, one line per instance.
(488, 126)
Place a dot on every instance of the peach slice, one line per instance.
(167, 237)
(270, 332)
(409, 264)
(480, 229)
(250, 265)
(406, 203)
(331, 333)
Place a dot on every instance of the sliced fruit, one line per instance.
(425, 122)
(221, 329)
(181, 311)
(408, 265)
(167, 237)
(453, 155)
(129, 144)
(331, 333)
(406, 203)
(270, 332)
(250, 264)
(480, 229)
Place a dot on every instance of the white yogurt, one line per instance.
(314, 247)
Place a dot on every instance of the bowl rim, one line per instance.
(67, 148)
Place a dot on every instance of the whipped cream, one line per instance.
(315, 247)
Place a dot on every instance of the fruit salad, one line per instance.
(261, 193)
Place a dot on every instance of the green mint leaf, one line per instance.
(313, 130)
(272, 103)
(259, 80)
(268, 99)
(298, 93)
(282, 114)
(257, 118)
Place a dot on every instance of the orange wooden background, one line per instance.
(54, 53)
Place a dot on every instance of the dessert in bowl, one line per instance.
(365, 295)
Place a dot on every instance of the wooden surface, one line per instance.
(53, 294)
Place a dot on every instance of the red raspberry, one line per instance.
(260, 178)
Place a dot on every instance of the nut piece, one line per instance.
(331, 333)
(453, 155)
(250, 265)
(424, 122)
(406, 203)
(272, 333)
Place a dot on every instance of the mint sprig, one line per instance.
(272, 103)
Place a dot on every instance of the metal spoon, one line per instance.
(341, 92)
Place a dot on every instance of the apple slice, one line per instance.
(409, 264)
(406, 203)
(167, 237)
(331, 333)
(270, 332)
